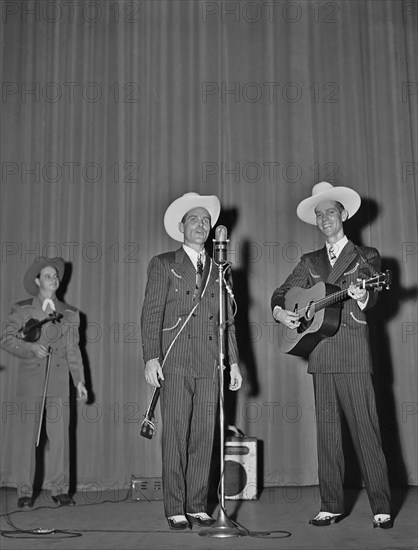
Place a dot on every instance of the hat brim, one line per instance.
(349, 198)
(177, 209)
(29, 279)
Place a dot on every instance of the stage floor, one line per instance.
(114, 521)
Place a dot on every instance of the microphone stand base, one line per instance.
(222, 528)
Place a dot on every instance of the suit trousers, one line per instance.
(189, 412)
(57, 456)
(353, 396)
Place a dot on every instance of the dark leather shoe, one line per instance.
(63, 500)
(322, 520)
(24, 502)
(385, 524)
(178, 524)
(201, 519)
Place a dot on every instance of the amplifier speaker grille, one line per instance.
(241, 468)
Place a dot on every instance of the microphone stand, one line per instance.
(223, 526)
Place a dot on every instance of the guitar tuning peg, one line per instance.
(388, 278)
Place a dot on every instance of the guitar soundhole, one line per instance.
(306, 321)
(310, 311)
(304, 325)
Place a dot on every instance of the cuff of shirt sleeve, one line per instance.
(275, 309)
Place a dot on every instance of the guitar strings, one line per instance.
(333, 298)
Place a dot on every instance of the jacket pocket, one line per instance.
(174, 326)
(352, 270)
(360, 321)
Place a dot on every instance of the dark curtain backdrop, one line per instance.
(111, 110)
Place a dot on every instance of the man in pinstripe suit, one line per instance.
(180, 349)
(341, 364)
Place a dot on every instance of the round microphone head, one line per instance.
(220, 241)
(221, 233)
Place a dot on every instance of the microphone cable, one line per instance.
(243, 531)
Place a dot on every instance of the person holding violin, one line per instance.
(44, 333)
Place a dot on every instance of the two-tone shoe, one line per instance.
(382, 521)
(324, 519)
(178, 523)
(25, 503)
(63, 500)
(202, 519)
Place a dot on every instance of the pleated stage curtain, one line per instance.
(113, 109)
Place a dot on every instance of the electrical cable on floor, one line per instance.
(43, 533)
(258, 534)
(243, 531)
(35, 534)
(39, 533)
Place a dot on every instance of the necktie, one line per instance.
(332, 255)
(199, 273)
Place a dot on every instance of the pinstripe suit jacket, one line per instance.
(167, 303)
(348, 350)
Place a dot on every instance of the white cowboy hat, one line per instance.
(324, 191)
(177, 209)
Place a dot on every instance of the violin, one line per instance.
(32, 330)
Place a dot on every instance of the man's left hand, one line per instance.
(82, 392)
(357, 293)
(236, 377)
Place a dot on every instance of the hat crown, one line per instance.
(321, 187)
(191, 194)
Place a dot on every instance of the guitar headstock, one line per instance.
(147, 428)
(379, 281)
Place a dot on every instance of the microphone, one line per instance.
(220, 241)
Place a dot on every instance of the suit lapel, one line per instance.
(322, 265)
(59, 307)
(347, 256)
(37, 309)
(205, 281)
(213, 275)
(185, 268)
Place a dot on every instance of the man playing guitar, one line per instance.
(341, 362)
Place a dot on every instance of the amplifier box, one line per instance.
(240, 480)
(146, 488)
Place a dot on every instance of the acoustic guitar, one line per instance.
(319, 310)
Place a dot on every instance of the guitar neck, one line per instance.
(341, 295)
(331, 299)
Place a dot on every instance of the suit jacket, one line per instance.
(168, 301)
(348, 350)
(62, 337)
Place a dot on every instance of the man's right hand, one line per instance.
(153, 373)
(286, 317)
